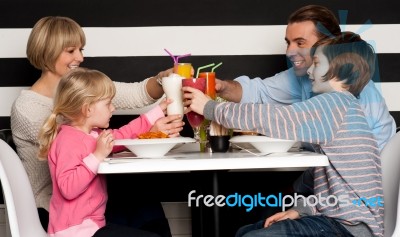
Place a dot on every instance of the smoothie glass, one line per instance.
(195, 119)
(172, 86)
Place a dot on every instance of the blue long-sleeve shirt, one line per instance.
(287, 88)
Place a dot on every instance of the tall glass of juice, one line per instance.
(183, 69)
(210, 83)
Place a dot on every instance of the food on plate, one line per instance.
(151, 135)
(244, 132)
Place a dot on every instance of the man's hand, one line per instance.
(229, 90)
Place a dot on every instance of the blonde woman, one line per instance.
(55, 47)
(74, 142)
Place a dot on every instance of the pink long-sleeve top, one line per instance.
(79, 196)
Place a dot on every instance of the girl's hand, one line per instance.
(290, 214)
(170, 125)
(104, 146)
(194, 99)
(164, 103)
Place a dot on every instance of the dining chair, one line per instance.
(390, 163)
(20, 202)
(396, 232)
(6, 135)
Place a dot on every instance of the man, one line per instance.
(305, 27)
(341, 68)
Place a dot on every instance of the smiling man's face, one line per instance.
(300, 37)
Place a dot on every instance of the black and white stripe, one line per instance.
(125, 39)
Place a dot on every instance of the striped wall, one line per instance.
(126, 38)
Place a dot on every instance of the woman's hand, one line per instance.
(165, 73)
(170, 125)
(194, 99)
(290, 214)
(153, 87)
(105, 144)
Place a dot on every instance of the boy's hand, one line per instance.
(195, 100)
(290, 214)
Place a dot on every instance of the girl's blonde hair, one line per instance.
(77, 88)
(49, 37)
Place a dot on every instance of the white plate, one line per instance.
(264, 144)
(152, 148)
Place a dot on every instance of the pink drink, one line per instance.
(195, 119)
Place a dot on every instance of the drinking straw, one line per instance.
(172, 56)
(176, 58)
(182, 56)
(219, 64)
(206, 66)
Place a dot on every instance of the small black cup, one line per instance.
(219, 143)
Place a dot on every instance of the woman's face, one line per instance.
(70, 58)
(317, 72)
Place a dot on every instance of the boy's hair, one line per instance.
(324, 20)
(351, 60)
(78, 88)
(49, 37)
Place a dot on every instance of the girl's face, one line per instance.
(317, 71)
(70, 58)
(100, 113)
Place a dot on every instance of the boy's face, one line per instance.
(300, 37)
(317, 72)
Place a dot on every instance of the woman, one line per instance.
(55, 47)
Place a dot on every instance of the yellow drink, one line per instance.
(183, 69)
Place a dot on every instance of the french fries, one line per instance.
(151, 135)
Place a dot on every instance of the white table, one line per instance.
(184, 159)
(181, 160)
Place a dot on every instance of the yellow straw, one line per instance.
(219, 64)
(198, 69)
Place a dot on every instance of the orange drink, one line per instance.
(210, 86)
(183, 69)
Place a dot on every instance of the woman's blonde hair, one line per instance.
(77, 88)
(49, 37)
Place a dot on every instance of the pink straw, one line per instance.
(182, 56)
(172, 56)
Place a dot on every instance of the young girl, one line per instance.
(335, 121)
(73, 141)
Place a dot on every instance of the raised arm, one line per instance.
(315, 120)
(139, 94)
